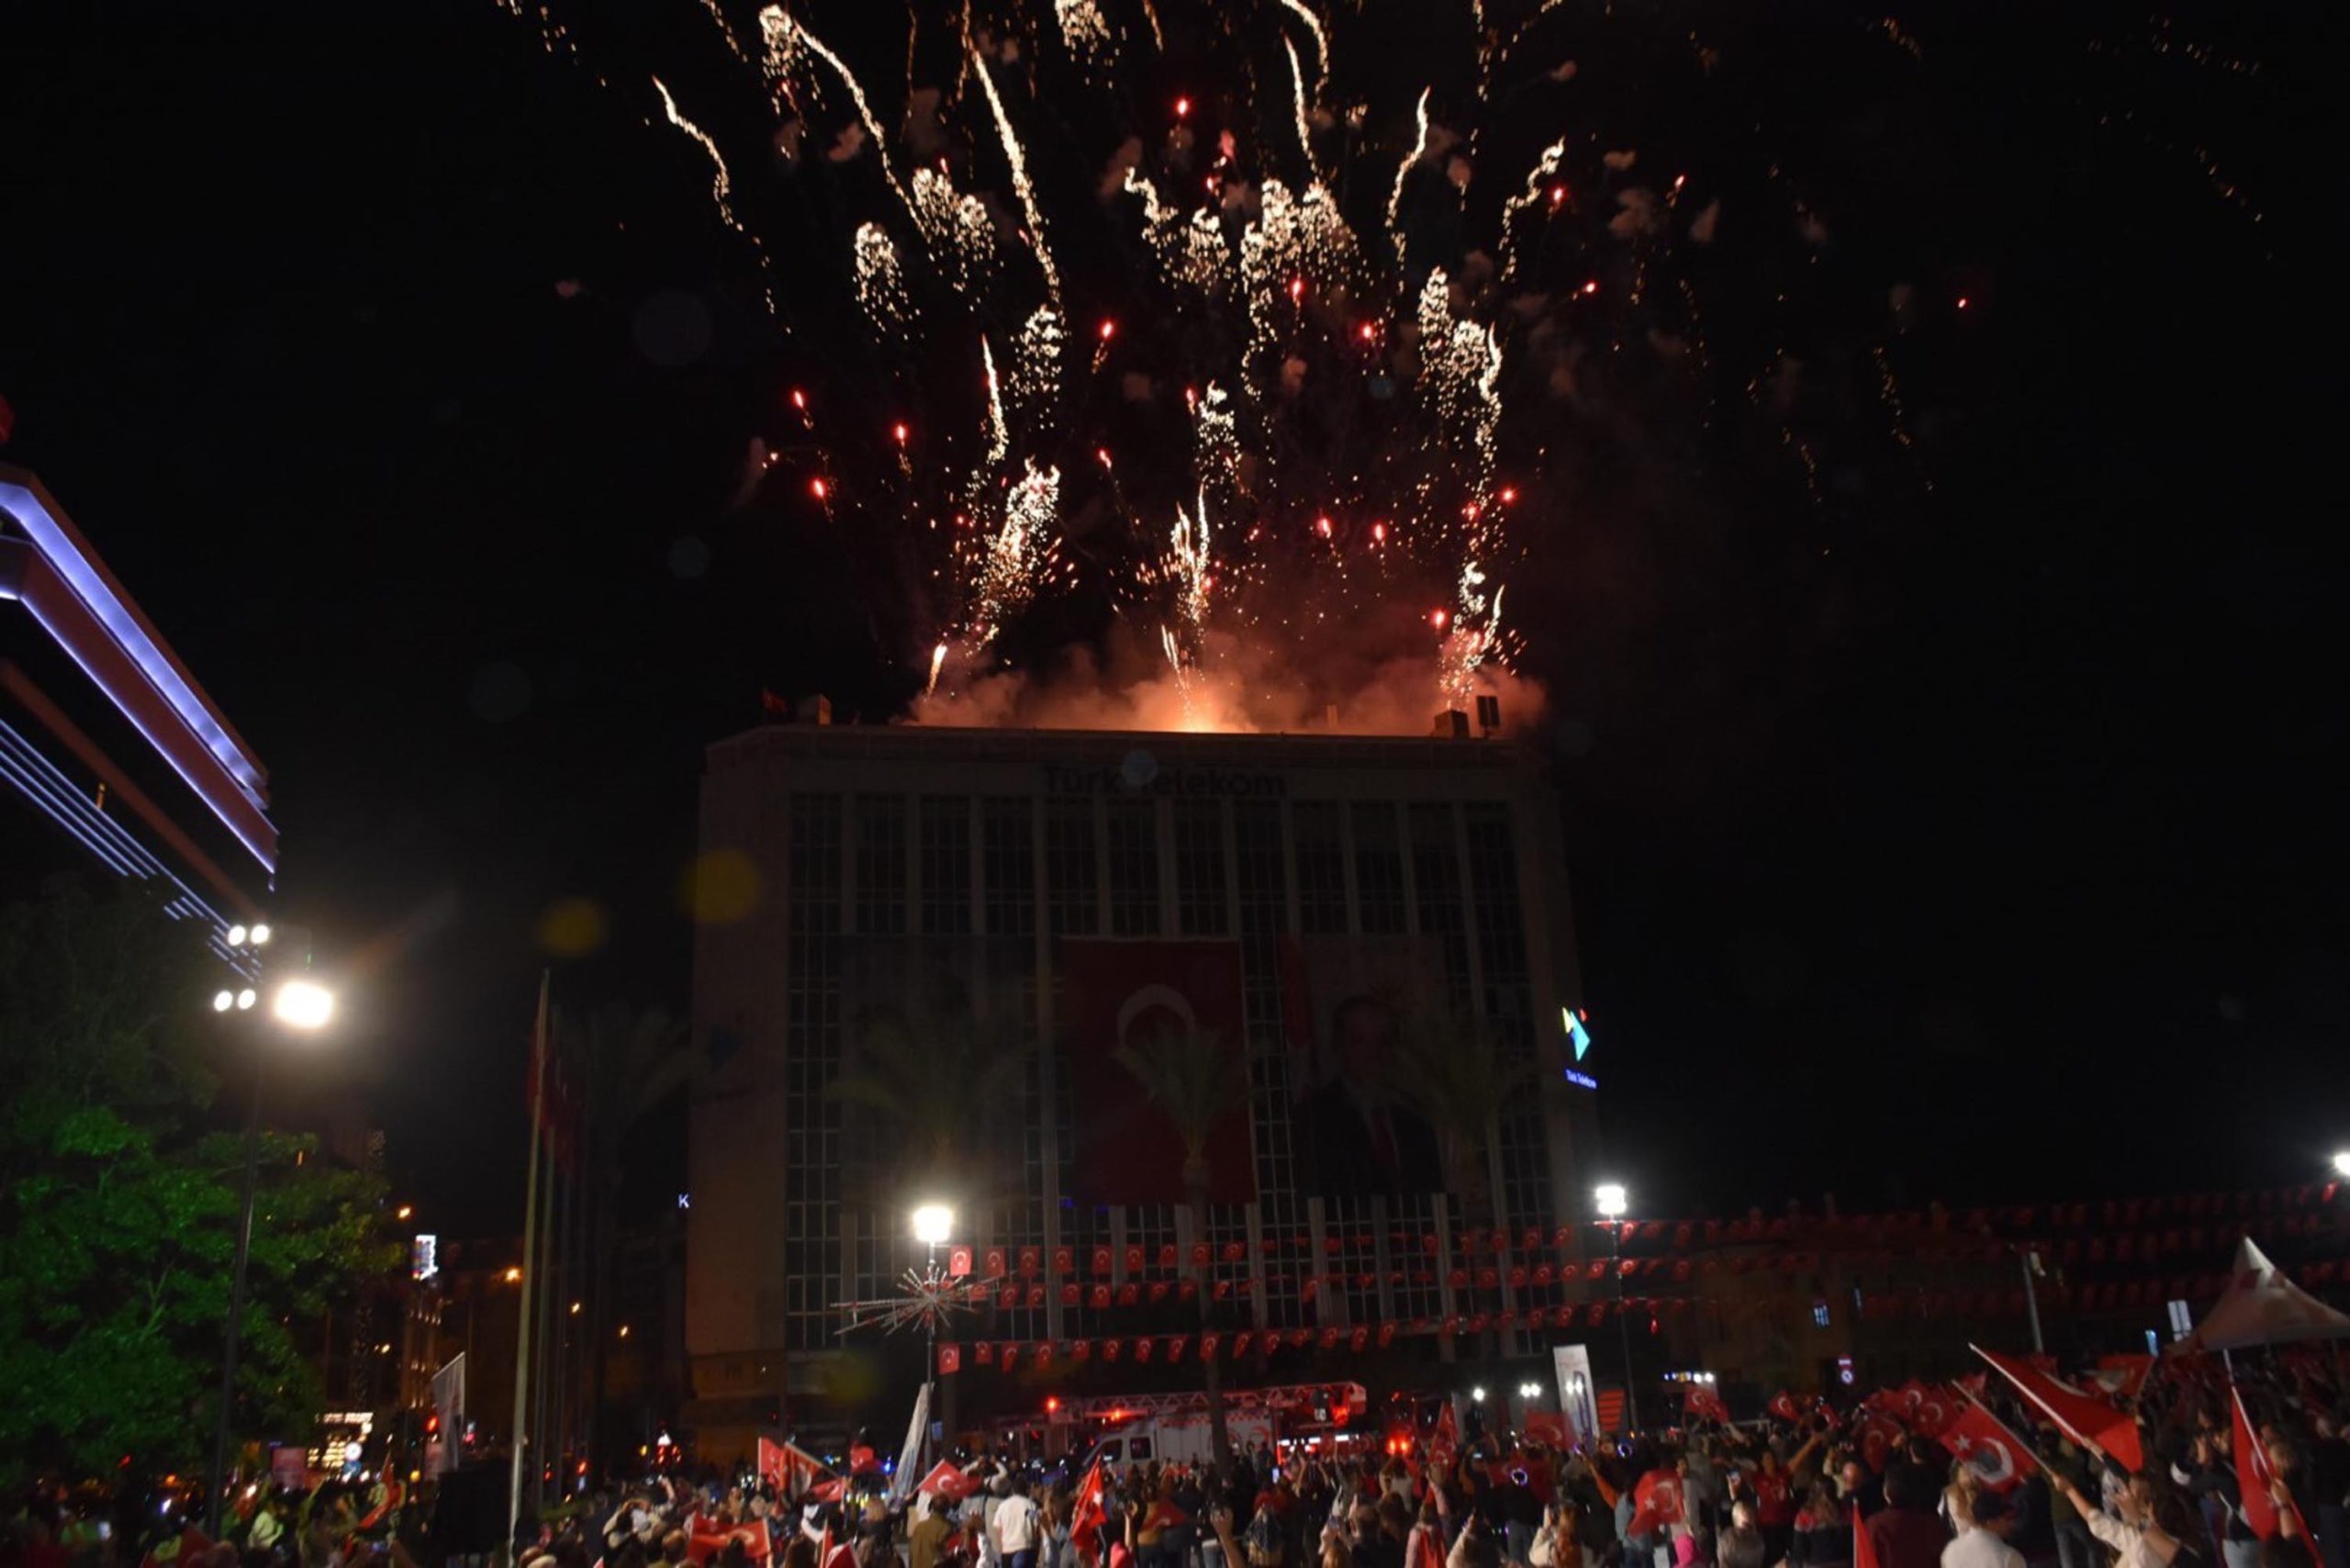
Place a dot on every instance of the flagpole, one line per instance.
(529, 1267)
(545, 1306)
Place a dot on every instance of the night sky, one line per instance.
(1976, 830)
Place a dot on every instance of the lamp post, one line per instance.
(933, 1223)
(2342, 1162)
(1612, 1201)
(304, 1007)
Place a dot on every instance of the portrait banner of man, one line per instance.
(1353, 1125)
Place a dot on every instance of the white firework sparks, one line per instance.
(1020, 184)
(1085, 30)
(785, 37)
(1017, 555)
(1538, 190)
(880, 282)
(956, 229)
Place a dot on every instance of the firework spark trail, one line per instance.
(1022, 186)
(785, 36)
(722, 184)
(1321, 39)
(1337, 408)
(1403, 172)
(999, 435)
(1305, 132)
(718, 21)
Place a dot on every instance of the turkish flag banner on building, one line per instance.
(1064, 1260)
(1175, 1347)
(1101, 1260)
(1031, 1260)
(958, 1262)
(1142, 1350)
(1240, 1345)
(1145, 997)
(950, 1359)
(1209, 1345)
(1200, 1254)
(1133, 1260)
(993, 1262)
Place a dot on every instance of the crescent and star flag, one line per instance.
(1998, 1458)
(1444, 1442)
(1783, 1406)
(947, 1482)
(1085, 1515)
(705, 1538)
(1656, 1501)
(1703, 1403)
(1936, 1410)
(2254, 1477)
(2085, 1420)
(1879, 1435)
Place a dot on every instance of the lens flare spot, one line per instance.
(573, 928)
(719, 887)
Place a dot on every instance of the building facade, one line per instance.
(109, 739)
(1310, 897)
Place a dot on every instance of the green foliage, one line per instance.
(118, 1200)
(1457, 1076)
(931, 1078)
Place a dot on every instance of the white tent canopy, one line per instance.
(2260, 1306)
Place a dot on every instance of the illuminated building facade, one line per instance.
(107, 737)
(846, 868)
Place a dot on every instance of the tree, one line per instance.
(933, 1078)
(1195, 1083)
(1455, 1077)
(118, 1200)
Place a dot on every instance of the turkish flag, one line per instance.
(1101, 1260)
(1360, 1339)
(708, 1538)
(1133, 995)
(1142, 1349)
(1133, 1260)
(863, 1461)
(1878, 1435)
(1086, 1514)
(2083, 1418)
(1700, 1402)
(1549, 1427)
(958, 1262)
(1111, 1349)
(1031, 1260)
(1064, 1260)
(992, 1260)
(1997, 1456)
(1935, 1412)
(1199, 1254)
(1656, 1502)
(1783, 1406)
(1444, 1442)
(2254, 1477)
(1209, 1345)
(1175, 1347)
(947, 1482)
(1863, 1543)
(950, 1359)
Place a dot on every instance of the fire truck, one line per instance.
(1134, 1428)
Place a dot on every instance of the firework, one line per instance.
(1333, 332)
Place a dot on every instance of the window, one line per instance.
(880, 866)
(1820, 1314)
(945, 866)
(1321, 867)
(1378, 868)
(1072, 898)
(1133, 867)
(1199, 868)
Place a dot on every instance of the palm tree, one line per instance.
(1196, 1083)
(1454, 1075)
(933, 1078)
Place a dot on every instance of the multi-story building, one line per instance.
(1317, 902)
(105, 734)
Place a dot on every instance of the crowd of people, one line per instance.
(1776, 1493)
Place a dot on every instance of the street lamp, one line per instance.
(1612, 1203)
(933, 1223)
(1530, 1391)
(2342, 1162)
(304, 1006)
